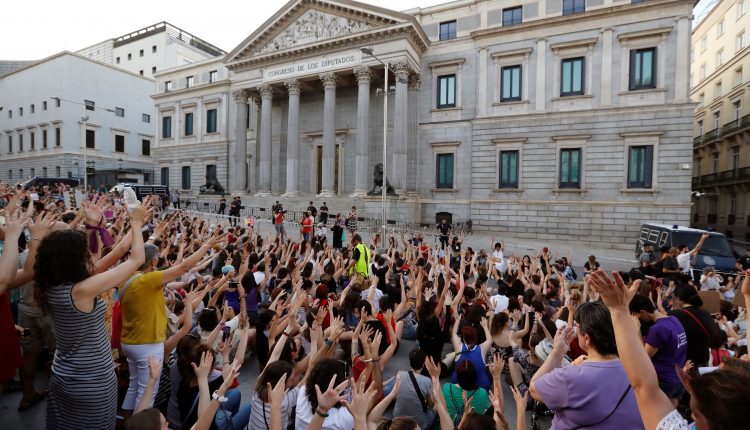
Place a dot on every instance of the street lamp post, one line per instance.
(383, 188)
(84, 122)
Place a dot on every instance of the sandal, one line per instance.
(38, 397)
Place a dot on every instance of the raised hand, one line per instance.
(521, 400)
(154, 367)
(206, 365)
(15, 223)
(360, 404)
(140, 213)
(563, 338)
(613, 292)
(331, 396)
(278, 391)
(94, 210)
(432, 368)
(497, 365)
(42, 225)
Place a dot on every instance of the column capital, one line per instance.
(240, 96)
(292, 86)
(329, 80)
(401, 69)
(415, 82)
(363, 74)
(266, 91)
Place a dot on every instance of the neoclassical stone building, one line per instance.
(546, 118)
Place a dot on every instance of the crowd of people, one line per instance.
(150, 314)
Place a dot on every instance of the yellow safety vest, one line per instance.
(362, 266)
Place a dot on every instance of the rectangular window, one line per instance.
(188, 82)
(20, 143)
(740, 42)
(640, 166)
(119, 143)
(153, 49)
(57, 137)
(189, 124)
(117, 60)
(130, 56)
(704, 44)
(740, 8)
(702, 72)
(120, 112)
(57, 171)
(573, 6)
(508, 169)
(44, 105)
(570, 168)
(446, 91)
(510, 83)
(737, 77)
(735, 158)
(140, 72)
(211, 121)
(10, 144)
(720, 28)
(167, 86)
(44, 172)
(140, 54)
(212, 75)
(90, 139)
(89, 105)
(715, 162)
(146, 147)
(448, 30)
(164, 172)
(10, 113)
(166, 127)
(146, 118)
(20, 111)
(185, 177)
(32, 140)
(44, 139)
(32, 172)
(57, 102)
(32, 108)
(717, 115)
(719, 57)
(10, 174)
(642, 68)
(444, 173)
(153, 70)
(737, 109)
(717, 90)
(572, 77)
(700, 128)
(20, 173)
(512, 15)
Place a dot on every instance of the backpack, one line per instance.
(117, 312)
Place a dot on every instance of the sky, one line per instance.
(35, 29)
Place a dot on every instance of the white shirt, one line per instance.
(683, 260)
(499, 302)
(376, 298)
(338, 418)
(500, 263)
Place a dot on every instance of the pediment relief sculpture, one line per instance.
(313, 26)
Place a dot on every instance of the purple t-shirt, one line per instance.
(668, 335)
(584, 395)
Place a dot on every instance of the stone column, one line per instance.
(541, 77)
(682, 68)
(240, 142)
(362, 161)
(606, 91)
(264, 158)
(400, 128)
(412, 156)
(292, 139)
(329, 134)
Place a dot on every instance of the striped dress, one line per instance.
(83, 385)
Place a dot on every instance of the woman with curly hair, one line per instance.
(83, 385)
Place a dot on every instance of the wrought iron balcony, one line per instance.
(726, 130)
(728, 177)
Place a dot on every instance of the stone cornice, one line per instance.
(592, 15)
(356, 40)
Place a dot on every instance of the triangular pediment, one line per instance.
(305, 23)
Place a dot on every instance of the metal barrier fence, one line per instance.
(210, 209)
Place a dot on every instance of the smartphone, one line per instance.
(225, 333)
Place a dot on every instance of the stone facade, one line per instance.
(721, 144)
(308, 114)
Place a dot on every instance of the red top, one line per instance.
(307, 225)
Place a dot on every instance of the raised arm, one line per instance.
(177, 270)
(653, 404)
(88, 289)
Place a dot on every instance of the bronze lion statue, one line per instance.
(377, 187)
